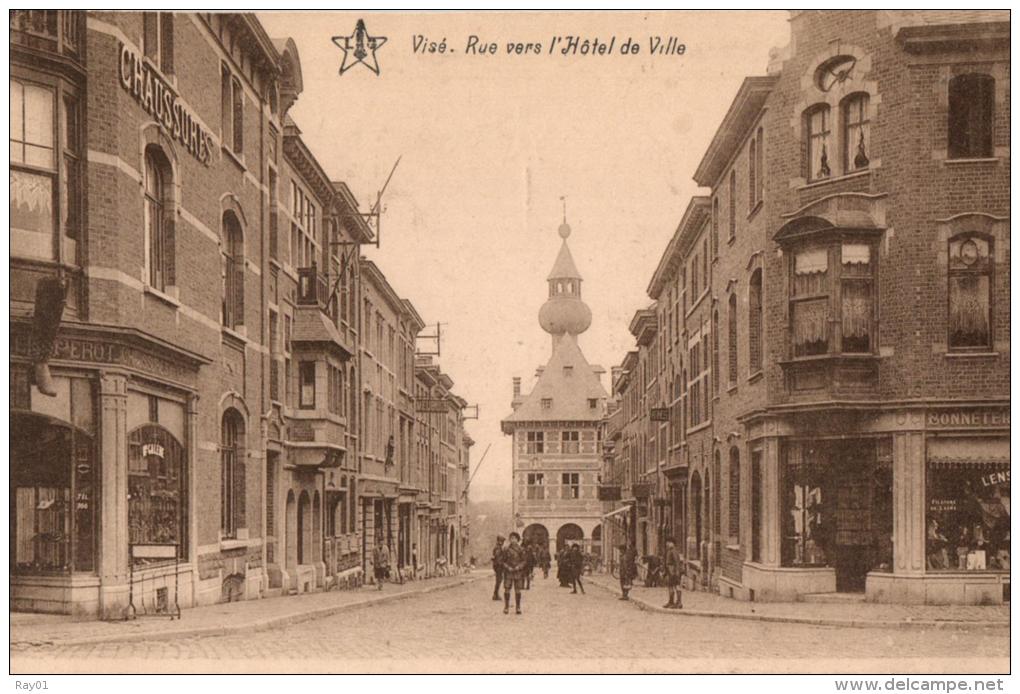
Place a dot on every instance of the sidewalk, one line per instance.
(865, 615)
(29, 630)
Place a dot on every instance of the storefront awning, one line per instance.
(622, 509)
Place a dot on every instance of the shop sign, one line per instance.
(967, 419)
(431, 406)
(159, 101)
(153, 449)
(610, 492)
(993, 479)
(659, 414)
(102, 352)
(641, 491)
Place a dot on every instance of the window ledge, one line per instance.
(232, 335)
(731, 240)
(756, 376)
(965, 355)
(973, 160)
(695, 429)
(754, 210)
(733, 547)
(238, 159)
(732, 389)
(833, 179)
(163, 296)
(836, 356)
(226, 545)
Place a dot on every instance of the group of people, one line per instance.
(674, 567)
(570, 567)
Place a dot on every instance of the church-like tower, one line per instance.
(556, 428)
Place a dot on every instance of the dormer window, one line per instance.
(568, 371)
(593, 403)
(546, 403)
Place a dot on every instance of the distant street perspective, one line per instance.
(460, 629)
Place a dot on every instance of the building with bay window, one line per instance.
(859, 275)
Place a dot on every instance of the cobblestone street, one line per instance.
(462, 630)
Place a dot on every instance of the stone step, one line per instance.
(836, 598)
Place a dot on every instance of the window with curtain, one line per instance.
(45, 153)
(970, 292)
(754, 322)
(818, 127)
(971, 114)
(570, 442)
(856, 133)
(856, 301)
(233, 272)
(809, 304)
(571, 488)
(306, 385)
(536, 486)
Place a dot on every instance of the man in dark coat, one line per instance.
(546, 560)
(497, 564)
(563, 567)
(529, 568)
(576, 563)
(515, 562)
(675, 570)
(628, 569)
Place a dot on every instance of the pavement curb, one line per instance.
(247, 627)
(815, 621)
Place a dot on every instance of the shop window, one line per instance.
(732, 321)
(754, 322)
(856, 133)
(818, 126)
(570, 442)
(536, 486)
(971, 112)
(158, 39)
(734, 496)
(837, 509)
(306, 385)
(159, 220)
(535, 442)
(970, 292)
(232, 485)
(157, 489)
(53, 463)
(571, 485)
(232, 257)
(45, 172)
(968, 516)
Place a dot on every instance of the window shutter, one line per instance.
(239, 489)
(169, 250)
(238, 298)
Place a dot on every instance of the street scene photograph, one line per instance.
(510, 342)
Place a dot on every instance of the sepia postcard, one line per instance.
(449, 342)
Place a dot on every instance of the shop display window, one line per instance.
(967, 523)
(157, 489)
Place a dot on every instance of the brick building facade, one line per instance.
(197, 392)
(860, 398)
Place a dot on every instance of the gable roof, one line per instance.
(569, 393)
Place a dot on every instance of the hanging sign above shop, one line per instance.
(159, 101)
(659, 414)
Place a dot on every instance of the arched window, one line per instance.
(734, 494)
(818, 126)
(970, 292)
(733, 205)
(159, 220)
(754, 322)
(856, 133)
(752, 181)
(233, 272)
(971, 113)
(232, 484)
(732, 325)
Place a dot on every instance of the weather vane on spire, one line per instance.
(564, 228)
(563, 198)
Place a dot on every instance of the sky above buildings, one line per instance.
(490, 142)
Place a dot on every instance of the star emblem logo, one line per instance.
(359, 47)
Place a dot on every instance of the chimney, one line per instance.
(517, 386)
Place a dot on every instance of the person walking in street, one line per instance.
(628, 569)
(674, 569)
(563, 567)
(576, 564)
(546, 561)
(529, 568)
(514, 565)
(380, 563)
(497, 564)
